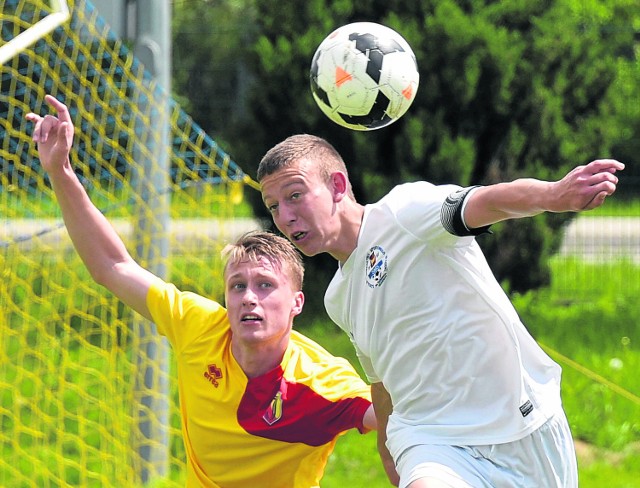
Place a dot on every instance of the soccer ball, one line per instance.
(364, 76)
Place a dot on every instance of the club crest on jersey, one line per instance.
(213, 374)
(274, 412)
(376, 266)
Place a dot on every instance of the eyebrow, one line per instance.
(260, 274)
(297, 181)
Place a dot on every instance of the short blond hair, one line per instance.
(301, 147)
(254, 245)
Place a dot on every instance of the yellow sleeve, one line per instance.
(183, 316)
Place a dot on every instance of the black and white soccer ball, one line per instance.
(364, 76)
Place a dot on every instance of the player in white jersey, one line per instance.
(464, 395)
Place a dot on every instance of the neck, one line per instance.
(349, 230)
(257, 360)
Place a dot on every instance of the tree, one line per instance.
(208, 76)
(507, 89)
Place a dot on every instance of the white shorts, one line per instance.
(544, 458)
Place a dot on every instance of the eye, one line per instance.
(237, 286)
(272, 208)
(266, 284)
(295, 195)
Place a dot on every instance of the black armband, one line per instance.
(451, 215)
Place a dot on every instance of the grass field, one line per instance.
(117, 203)
(207, 197)
(617, 207)
(589, 315)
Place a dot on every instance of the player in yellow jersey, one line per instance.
(261, 405)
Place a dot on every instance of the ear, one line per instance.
(298, 303)
(339, 185)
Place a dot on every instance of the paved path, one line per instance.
(186, 235)
(601, 238)
(593, 238)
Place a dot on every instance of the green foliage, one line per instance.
(507, 89)
(589, 315)
(206, 72)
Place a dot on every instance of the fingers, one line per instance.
(604, 176)
(596, 201)
(59, 107)
(601, 185)
(44, 126)
(31, 117)
(608, 165)
(49, 123)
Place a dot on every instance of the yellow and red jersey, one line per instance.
(275, 430)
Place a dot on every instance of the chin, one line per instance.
(304, 248)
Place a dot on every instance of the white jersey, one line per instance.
(429, 320)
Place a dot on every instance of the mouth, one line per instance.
(298, 236)
(250, 318)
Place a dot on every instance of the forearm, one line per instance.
(369, 421)
(93, 237)
(383, 407)
(583, 188)
(520, 198)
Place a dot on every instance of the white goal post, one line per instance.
(58, 16)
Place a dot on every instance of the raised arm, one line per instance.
(93, 237)
(583, 188)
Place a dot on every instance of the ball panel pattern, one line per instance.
(364, 76)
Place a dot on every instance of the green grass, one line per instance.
(203, 201)
(589, 315)
(617, 207)
(42, 205)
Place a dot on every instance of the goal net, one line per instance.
(73, 408)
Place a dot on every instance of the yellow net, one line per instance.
(87, 389)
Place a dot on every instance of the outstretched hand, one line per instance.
(586, 187)
(53, 135)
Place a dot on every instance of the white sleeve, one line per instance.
(367, 367)
(418, 206)
(452, 214)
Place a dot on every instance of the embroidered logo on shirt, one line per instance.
(213, 374)
(376, 266)
(526, 408)
(274, 412)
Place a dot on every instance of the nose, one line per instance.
(249, 297)
(286, 215)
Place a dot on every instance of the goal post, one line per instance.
(152, 41)
(69, 351)
(59, 15)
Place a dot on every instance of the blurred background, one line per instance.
(508, 89)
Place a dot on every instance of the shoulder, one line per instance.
(418, 192)
(168, 292)
(311, 349)
(414, 207)
(329, 375)
(166, 300)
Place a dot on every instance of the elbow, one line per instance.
(369, 421)
(107, 273)
(100, 276)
